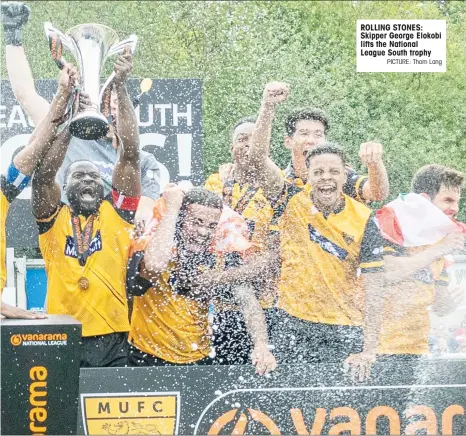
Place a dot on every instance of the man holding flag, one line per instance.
(419, 230)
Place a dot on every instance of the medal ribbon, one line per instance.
(82, 239)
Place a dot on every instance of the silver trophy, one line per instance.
(90, 45)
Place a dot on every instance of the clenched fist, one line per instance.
(276, 92)
(173, 195)
(14, 16)
(370, 153)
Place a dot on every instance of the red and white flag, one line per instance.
(412, 221)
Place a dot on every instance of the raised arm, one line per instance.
(46, 131)
(127, 172)
(46, 192)
(14, 16)
(268, 175)
(400, 268)
(377, 186)
(160, 248)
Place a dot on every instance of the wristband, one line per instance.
(13, 37)
(123, 202)
(16, 178)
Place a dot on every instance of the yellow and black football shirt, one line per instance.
(164, 323)
(168, 322)
(257, 211)
(353, 186)
(324, 256)
(249, 202)
(101, 307)
(406, 322)
(8, 193)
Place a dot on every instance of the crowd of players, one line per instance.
(260, 265)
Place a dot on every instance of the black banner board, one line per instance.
(170, 127)
(40, 375)
(401, 398)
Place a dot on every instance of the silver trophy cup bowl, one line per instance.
(90, 45)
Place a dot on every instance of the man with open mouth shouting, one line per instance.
(85, 244)
(330, 291)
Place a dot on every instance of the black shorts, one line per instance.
(105, 350)
(136, 357)
(298, 341)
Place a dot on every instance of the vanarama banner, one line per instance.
(399, 399)
(40, 375)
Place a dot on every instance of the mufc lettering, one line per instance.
(95, 245)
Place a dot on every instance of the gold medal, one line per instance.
(83, 283)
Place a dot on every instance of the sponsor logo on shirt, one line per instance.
(327, 245)
(95, 245)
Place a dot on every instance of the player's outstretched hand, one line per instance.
(18, 313)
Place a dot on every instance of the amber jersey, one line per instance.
(252, 205)
(168, 322)
(353, 186)
(406, 322)
(8, 193)
(248, 201)
(93, 293)
(323, 257)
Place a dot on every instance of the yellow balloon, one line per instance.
(146, 84)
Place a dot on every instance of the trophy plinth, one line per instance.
(89, 124)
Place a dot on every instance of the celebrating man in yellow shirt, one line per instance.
(241, 192)
(331, 284)
(174, 274)
(85, 245)
(416, 272)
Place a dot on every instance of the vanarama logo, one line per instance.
(323, 410)
(239, 423)
(29, 339)
(38, 399)
(125, 413)
(16, 340)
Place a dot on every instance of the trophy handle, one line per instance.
(56, 37)
(67, 41)
(118, 48)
